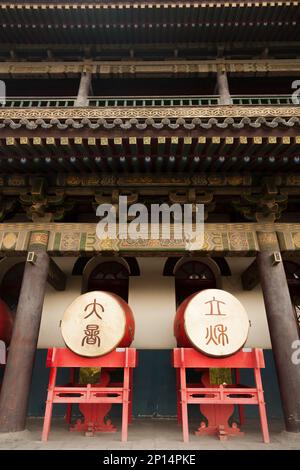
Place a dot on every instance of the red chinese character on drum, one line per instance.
(91, 335)
(96, 323)
(213, 321)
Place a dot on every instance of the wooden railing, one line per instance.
(153, 101)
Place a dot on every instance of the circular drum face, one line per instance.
(216, 323)
(94, 324)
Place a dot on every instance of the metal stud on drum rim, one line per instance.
(96, 323)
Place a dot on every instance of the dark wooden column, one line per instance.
(84, 89)
(283, 331)
(223, 87)
(18, 371)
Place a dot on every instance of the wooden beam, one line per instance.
(56, 277)
(250, 277)
(149, 68)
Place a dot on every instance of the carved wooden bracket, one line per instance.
(42, 207)
(266, 206)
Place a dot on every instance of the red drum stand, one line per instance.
(217, 401)
(95, 400)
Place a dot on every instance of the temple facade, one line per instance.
(164, 103)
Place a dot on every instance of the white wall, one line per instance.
(152, 299)
(153, 303)
(55, 304)
(253, 302)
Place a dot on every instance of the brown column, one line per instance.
(18, 371)
(283, 332)
(223, 87)
(84, 90)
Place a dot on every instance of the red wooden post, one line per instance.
(69, 405)
(183, 392)
(178, 397)
(130, 395)
(240, 407)
(261, 406)
(49, 404)
(125, 400)
(261, 401)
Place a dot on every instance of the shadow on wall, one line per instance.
(154, 393)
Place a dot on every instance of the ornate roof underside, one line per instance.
(148, 22)
(148, 123)
(147, 118)
(150, 139)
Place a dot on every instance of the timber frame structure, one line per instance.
(160, 101)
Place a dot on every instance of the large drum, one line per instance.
(6, 323)
(96, 323)
(212, 321)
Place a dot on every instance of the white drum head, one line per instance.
(216, 323)
(94, 324)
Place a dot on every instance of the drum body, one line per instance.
(6, 323)
(129, 323)
(183, 341)
(96, 323)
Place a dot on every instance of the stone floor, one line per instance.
(145, 434)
